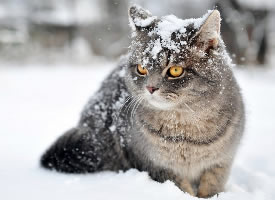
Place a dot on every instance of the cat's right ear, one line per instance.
(140, 18)
(209, 33)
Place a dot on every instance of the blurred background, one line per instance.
(78, 31)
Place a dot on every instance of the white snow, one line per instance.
(139, 21)
(165, 27)
(156, 49)
(144, 22)
(170, 24)
(39, 103)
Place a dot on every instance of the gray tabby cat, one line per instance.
(172, 108)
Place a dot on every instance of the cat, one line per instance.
(172, 108)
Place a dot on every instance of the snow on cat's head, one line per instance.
(175, 62)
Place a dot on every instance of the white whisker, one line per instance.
(189, 107)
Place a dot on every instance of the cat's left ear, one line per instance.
(209, 33)
(140, 18)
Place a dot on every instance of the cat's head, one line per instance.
(175, 62)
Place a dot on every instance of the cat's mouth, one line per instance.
(163, 101)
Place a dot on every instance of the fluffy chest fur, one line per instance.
(183, 143)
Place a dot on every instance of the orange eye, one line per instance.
(175, 71)
(141, 70)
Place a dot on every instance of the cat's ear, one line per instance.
(140, 18)
(209, 33)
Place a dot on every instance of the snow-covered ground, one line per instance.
(38, 104)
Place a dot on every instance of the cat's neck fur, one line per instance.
(196, 123)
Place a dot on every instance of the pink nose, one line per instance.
(151, 89)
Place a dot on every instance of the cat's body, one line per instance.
(181, 127)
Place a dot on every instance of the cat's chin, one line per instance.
(159, 103)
